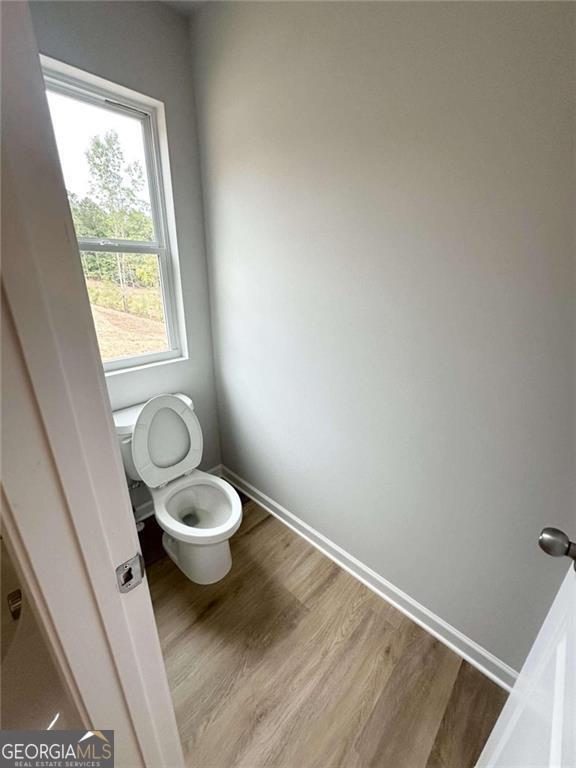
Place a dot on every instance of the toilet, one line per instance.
(161, 445)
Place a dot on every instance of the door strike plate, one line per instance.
(130, 573)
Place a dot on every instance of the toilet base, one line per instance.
(202, 564)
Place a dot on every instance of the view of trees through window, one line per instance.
(108, 192)
(127, 283)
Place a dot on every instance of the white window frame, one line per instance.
(71, 81)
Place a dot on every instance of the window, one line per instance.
(108, 143)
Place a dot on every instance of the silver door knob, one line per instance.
(557, 544)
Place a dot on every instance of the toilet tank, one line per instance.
(124, 420)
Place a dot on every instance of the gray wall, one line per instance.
(388, 199)
(145, 46)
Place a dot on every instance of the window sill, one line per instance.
(179, 358)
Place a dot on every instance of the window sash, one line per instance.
(103, 93)
(149, 141)
(170, 319)
(118, 246)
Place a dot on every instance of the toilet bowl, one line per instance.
(161, 445)
(198, 514)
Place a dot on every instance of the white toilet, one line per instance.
(161, 444)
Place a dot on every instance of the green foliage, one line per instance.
(133, 270)
(142, 302)
(113, 209)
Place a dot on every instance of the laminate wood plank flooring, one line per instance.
(290, 662)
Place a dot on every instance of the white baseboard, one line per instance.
(480, 658)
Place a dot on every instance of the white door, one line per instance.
(66, 514)
(537, 727)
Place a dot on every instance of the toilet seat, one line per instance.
(167, 440)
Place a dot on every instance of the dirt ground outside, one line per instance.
(121, 334)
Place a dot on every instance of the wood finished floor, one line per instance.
(289, 662)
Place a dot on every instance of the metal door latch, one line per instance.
(557, 544)
(130, 573)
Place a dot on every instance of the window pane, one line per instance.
(104, 166)
(126, 300)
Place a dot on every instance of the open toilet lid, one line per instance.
(167, 440)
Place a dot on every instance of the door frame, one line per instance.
(60, 434)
